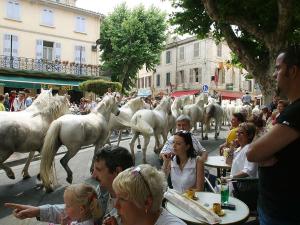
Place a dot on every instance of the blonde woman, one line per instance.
(139, 194)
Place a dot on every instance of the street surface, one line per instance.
(29, 192)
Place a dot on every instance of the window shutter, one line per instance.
(77, 54)
(77, 24)
(82, 54)
(57, 51)
(16, 10)
(15, 46)
(10, 9)
(39, 49)
(50, 17)
(6, 45)
(200, 75)
(191, 76)
(82, 23)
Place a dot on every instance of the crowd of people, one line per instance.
(14, 101)
(134, 194)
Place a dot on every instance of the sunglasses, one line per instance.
(137, 171)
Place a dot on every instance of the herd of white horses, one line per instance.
(47, 124)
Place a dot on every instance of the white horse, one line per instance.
(195, 111)
(212, 110)
(74, 131)
(176, 110)
(151, 122)
(24, 131)
(126, 113)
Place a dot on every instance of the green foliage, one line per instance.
(254, 30)
(99, 87)
(130, 39)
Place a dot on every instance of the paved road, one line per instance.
(29, 192)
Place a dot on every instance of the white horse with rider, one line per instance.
(148, 122)
(75, 131)
(24, 131)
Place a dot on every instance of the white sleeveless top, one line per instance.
(184, 179)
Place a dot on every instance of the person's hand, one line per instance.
(167, 156)
(110, 220)
(23, 211)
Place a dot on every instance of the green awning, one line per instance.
(37, 83)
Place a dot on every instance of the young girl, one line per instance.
(185, 168)
(81, 205)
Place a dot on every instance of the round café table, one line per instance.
(217, 162)
(237, 216)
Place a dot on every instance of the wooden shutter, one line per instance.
(57, 51)
(39, 49)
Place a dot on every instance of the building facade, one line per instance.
(48, 36)
(186, 65)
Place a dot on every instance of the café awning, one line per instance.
(231, 95)
(37, 82)
(184, 92)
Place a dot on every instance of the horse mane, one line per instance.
(100, 104)
(56, 106)
(40, 102)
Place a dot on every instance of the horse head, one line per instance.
(135, 104)
(108, 105)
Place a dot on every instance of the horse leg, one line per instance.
(64, 162)
(119, 138)
(25, 169)
(157, 144)
(4, 156)
(146, 143)
(131, 144)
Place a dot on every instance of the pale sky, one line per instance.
(107, 6)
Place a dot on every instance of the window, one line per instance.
(48, 50)
(168, 57)
(142, 80)
(181, 72)
(196, 49)
(13, 9)
(181, 53)
(80, 54)
(11, 45)
(219, 50)
(157, 80)
(80, 24)
(47, 17)
(196, 72)
(168, 79)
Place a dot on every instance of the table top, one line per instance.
(237, 216)
(217, 162)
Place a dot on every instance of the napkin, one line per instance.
(194, 208)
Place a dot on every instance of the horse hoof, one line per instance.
(12, 176)
(26, 177)
(69, 180)
(139, 146)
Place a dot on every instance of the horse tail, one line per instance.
(210, 112)
(50, 147)
(139, 125)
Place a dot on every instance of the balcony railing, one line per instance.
(42, 65)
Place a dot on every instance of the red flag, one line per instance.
(216, 76)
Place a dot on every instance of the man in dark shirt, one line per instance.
(278, 151)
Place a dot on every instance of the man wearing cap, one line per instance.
(183, 122)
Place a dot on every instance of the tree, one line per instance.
(99, 86)
(255, 30)
(130, 39)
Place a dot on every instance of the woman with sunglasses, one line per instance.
(185, 168)
(139, 194)
(240, 166)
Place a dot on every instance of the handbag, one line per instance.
(246, 190)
